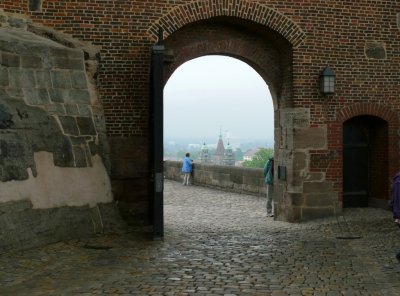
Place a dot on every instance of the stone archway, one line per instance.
(270, 54)
(268, 42)
(262, 48)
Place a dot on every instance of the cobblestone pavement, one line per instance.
(218, 243)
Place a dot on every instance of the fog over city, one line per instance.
(217, 93)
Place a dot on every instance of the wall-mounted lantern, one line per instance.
(327, 81)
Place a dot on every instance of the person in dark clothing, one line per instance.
(269, 185)
(395, 203)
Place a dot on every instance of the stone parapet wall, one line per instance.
(228, 178)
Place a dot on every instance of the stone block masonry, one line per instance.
(54, 183)
(39, 76)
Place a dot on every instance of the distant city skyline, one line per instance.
(213, 93)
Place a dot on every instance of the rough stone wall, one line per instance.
(47, 99)
(53, 148)
(227, 178)
(358, 39)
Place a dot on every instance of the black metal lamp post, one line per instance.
(327, 81)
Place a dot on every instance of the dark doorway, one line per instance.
(365, 164)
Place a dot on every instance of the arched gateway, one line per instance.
(61, 113)
(266, 41)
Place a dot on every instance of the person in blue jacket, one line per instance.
(395, 203)
(187, 168)
(269, 185)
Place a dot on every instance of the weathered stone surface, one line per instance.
(35, 71)
(67, 63)
(317, 212)
(43, 79)
(375, 50)
(15, 93)
(80, 157)
(296, 199)
(35, 96)
(294, 178)
(314, 187)
(236, 179)
(65, 53)
(59, 95)
(69, 125)
(86, 126)
(61, 79)
(15, 158)
(299, 161)
(63, 153)
(315, 177)
(78, 96)
(6, 120)
(309, 138)
(55, 109)
(4, 80)
(31, 62)
(398, 20)
(22, 78)
(71, 109)
(78, 79)
(9, 59)
(326, 199)
(86, 111)
(17, 22)
(22, 227)
(294, 117)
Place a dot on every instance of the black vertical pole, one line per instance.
(157, 149)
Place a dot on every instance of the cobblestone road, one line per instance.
(219, 243)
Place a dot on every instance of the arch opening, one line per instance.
(365, 161)
(216, 92)
(260, 47)
(267, 52)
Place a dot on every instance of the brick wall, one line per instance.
(338, 33)
(359, 40)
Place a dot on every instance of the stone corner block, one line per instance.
(310, 138)
(315, 187)
(312, 213)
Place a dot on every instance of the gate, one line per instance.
(355, 162)
(157, 137)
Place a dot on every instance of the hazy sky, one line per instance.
(213, 92)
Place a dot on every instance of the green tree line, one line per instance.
(259, 159)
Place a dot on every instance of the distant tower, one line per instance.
(219, 153)
(204, 156)
(229, 156)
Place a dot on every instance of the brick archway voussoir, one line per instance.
(244, 9)
(367, 109)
